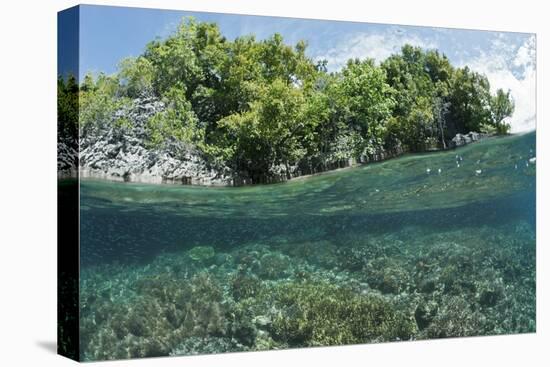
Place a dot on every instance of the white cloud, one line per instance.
(526, 54)
(371, 45)
(514, 68)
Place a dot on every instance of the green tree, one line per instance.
(177, 122)
(470, 99)
(67, 106)
(502, 106)
(99, 98)
(240, 75)
(365, 100)
(421, 80)
(174, 60)
(136, 76)
(272, 132)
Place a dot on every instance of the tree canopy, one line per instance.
(259, 105)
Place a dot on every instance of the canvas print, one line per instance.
(233, 183)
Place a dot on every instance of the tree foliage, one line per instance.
(99, 99)
(502, 106)
(177, 121)
(421, 80)
(364, 99)
(67, 106)
(470, 99)
(263, 106)
(136, 76)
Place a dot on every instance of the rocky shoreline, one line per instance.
(191, 171)
(119, 153)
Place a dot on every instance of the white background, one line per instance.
(28, 182)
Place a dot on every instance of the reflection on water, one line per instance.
(477, 201)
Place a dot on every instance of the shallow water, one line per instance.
(477, 202)
(134, 222)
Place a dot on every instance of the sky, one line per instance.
(109, 34)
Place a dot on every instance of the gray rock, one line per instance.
(463, 139)
(67, 155)
(120, 153)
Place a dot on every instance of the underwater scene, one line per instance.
(424, 246)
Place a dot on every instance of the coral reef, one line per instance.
(202, 253)
(311, 314)
(387, 275)
(410, 284)
(455, 318)
(158, 313)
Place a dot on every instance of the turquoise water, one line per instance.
(445, 240)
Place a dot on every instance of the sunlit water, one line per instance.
(491, 183)
(447, 238)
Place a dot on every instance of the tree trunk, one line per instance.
(287, 170)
